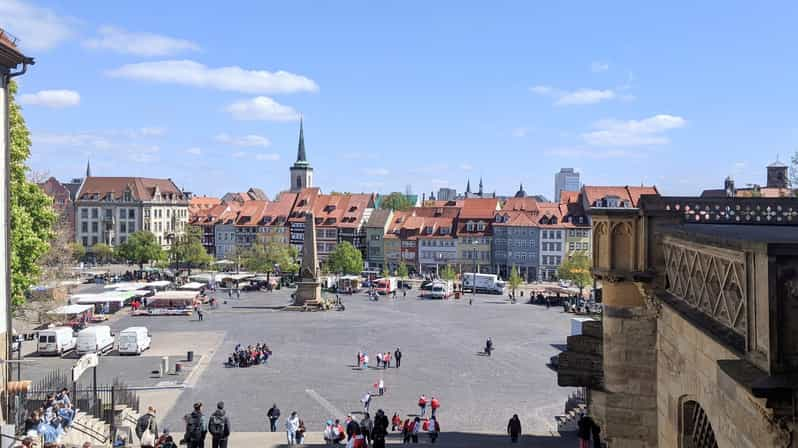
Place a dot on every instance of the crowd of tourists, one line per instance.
(250, 355)
(52, 419)
(381, 359)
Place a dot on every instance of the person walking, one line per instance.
(387, 362)
(422, 405)
(367, 427)
(380, 431)
(381, 387)
(434, 404)
(416, 428)
(196, 429)
(366, 400)
(273, 415)
(359, 358)
(378, 357)
(351, 427)
(398, 356)
(147, 429)
(433, 429)
(291, 427)
(219, 427)
(514, 428)
(365, 361)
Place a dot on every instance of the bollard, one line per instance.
(178, 367)
(190, 356)
(164, 367)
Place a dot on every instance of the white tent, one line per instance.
(158, 284)
(125, 286)
(71, 309)
(193, 286)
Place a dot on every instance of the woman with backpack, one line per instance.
(147, 429)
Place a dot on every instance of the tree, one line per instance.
(514, 280)
(401, 271)
(270, 256)
(345, 259)
(396, 201)
(187, 250)
(577, 270)
(77, 250)
(103, 253)
(58, 260)
(447, 273)
(31, 210)
(385, 272)
(140, 248)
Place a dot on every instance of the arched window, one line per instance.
(695, 429)
(299, 182)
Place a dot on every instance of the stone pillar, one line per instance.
(626, 408)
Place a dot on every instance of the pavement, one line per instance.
(312, 370)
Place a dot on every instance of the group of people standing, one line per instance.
(249, 356)
(52, 419)
(382, 359)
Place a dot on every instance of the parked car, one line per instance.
(56, 341)
(97, 339)
(134, 340)
(426, 285)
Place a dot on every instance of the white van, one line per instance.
(56, 341)
(134, 340)
(95, 340)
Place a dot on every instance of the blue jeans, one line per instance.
(291, 437)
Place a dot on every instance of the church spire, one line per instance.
(480, 186)
(300, 153)
(468, 186)
(88, 168)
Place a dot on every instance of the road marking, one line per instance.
(324, 403)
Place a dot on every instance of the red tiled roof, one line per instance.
(479, 208)
(141, 188)
(304, 203)
(277, 211)
(568, 196)
(435, 211)
(251, 213)
(526, 203)
(625, 193)
(517, 218)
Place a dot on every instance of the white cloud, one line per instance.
(584, 96)
(466, 167)
(98, 140)
(55, 99)
(590, 153)
(574, 97)
(649, 131)
(239, 154)
(376, 171)
(520, 132)
(195, 151)
(599, 66)
(233, 79)
(267, 156)
(262, 108)
(145, 154)
(246, 141)
(37, 28)
(139, 44)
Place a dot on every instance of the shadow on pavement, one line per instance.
(478, 440)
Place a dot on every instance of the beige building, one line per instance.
(698, 343)
(109, 209)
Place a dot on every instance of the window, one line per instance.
(558, 247)
(122, 227)
(470, 227)
(94, 227)
(84, 227)
(559, 234)
(571, 245)
(84, 213)
(481, 226)
(93, 240)
(85, 241)
(94, 213)
(131, 213)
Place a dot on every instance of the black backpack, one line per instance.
(216, 425)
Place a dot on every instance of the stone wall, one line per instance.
(687, 369)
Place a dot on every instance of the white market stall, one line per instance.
(115, 300)
(192, 286)
(73, 315)
(168, 303)
(158, 285)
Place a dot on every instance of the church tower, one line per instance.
(301, 171)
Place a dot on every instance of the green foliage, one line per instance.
(141, 247)
(577, 270)
(102, 252)
(395, 201)
(31, 210)
(187, 250)
(385, 272)
(401, 271)
(345, 259)
(78, 251)
(263, 257)
(447, 273)
(515, 279)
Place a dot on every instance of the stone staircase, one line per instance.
(89, 428)
(575, 407)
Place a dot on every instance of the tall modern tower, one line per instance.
(301, 171)
(568, 180)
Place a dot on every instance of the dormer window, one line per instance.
(352, 209)
(428, 230)
(470, 226)
(127, 196)
(444, 230)
(553, 220)
(109, 196)
(481, 226)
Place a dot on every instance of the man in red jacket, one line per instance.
(434, 404)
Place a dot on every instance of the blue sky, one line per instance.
(677, 94)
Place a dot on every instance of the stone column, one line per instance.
(626, 408)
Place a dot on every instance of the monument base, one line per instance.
(307, 293)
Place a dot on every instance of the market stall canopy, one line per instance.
(236, 277)
(108, 296)
(71, 309)
(158, 284)
(223, 262)
(173, 295)
(126, 286)
(193, 286)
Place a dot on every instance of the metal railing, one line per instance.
(89, 432)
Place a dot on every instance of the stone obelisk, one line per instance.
(309, 286)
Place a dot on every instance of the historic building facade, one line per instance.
(698, 344)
